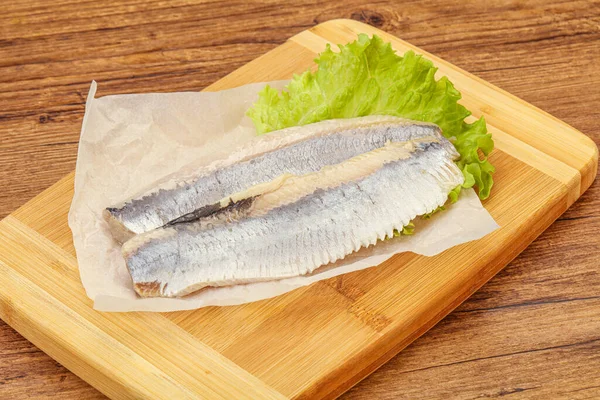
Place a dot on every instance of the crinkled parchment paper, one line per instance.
(129, 142)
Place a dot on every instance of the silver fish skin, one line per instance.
(296, 151)
(293, 239)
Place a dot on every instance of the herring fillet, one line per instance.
(258, 167)
(249, 244)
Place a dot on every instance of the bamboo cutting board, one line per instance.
(314, 342)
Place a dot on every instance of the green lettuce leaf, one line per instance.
(367, 77)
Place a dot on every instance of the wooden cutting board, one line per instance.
(314, 342)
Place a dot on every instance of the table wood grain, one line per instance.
(533, 331)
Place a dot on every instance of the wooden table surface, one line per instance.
(531, 332)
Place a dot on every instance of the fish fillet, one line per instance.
(306, 222)
(259, 167)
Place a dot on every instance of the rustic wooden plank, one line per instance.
(544, 52)
(571, 368)
(50, 210)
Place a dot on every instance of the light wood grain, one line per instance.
(117, 341)
(474, 32)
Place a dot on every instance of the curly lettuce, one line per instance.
(367, 77)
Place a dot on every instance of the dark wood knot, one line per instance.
(372, 18)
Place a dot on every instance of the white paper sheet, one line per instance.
(130, 141)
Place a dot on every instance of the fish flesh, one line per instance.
(298, 229)
(307, 221)
(259, 167)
